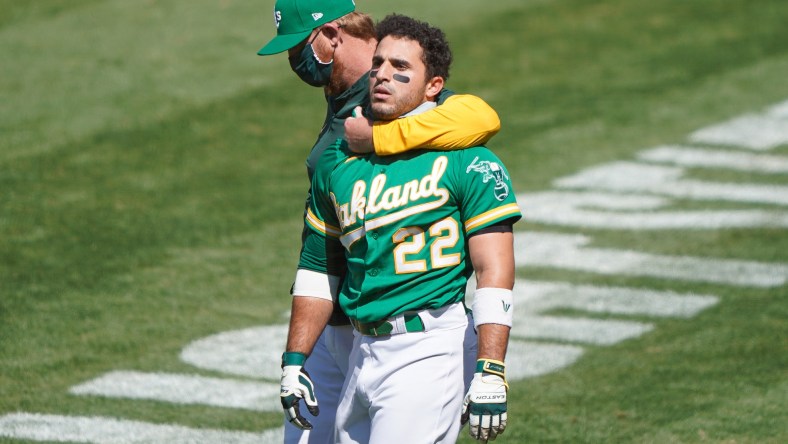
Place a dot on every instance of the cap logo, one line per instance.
(317, 15)
(277, 18)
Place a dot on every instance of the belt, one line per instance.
(413, 323)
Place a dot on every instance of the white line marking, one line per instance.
(530, 359)
(617, 211)
(184, 389)
(251, 352)
(707, 158)
(585, 330)
(641, 178)
(754, 131)
(543, 249)
(104, 430)
(538, 297)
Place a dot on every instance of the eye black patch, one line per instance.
(400, 78)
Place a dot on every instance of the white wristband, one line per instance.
(492, 306)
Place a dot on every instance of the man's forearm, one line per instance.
(462, 121)
(492, 255)
(308, 318)
(493, 341)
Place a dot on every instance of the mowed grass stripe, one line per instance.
(581, 81)
(120, 64)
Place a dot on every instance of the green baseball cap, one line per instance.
(295, 20)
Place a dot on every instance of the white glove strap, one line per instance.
(492, 306)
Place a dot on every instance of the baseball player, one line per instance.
(413, 227)
(331, 46)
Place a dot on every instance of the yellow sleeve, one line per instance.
(462, 121)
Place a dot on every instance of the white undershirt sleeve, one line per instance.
(316, 285)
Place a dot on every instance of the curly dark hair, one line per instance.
(436, 52)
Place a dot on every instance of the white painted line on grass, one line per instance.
(530, 359)
(251, 352)
(543, 249)
(635, 212)
(104, 430)
(584, 330)
(183, 389)
(779, 110)
(534, 297)
(753, 131)
(666, 180)
(708, 158)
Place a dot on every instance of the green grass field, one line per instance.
(152, 182)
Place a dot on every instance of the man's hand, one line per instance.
(485, 403)
(297, 385)
(358, 133)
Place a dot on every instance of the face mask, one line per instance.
(309, 68)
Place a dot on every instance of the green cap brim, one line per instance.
(284, 42)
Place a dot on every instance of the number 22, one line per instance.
(411, 241)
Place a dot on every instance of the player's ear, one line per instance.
(331, 30)
(434, 86)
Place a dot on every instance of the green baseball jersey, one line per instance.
(402, 223)
(339, 108)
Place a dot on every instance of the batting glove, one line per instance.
(295, 386)
(485, 403)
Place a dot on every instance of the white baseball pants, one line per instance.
(409, 387)
(327, 366)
